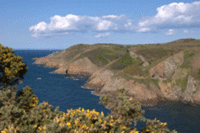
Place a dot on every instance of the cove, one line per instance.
(67, 93)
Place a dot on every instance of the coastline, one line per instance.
(86, 75)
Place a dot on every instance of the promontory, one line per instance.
(151, 72)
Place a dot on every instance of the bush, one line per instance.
(11, 67)
(42, 118)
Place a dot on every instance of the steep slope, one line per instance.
(151, 73)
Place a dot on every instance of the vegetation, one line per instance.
(123, 62)
(102, 56)
(187, 59)
(20, 113)
(12, 68)
(134, 70)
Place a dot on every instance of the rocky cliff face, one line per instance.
(167, 67)
(174, 82)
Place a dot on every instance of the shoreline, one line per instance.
(150, 103)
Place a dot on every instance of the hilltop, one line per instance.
(150, 72)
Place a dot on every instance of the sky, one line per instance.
(50, 24)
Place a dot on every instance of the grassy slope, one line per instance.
(102, 54)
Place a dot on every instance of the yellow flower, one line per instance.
(44, 127)
(83, 110)
(122, 131)
(130, 99)
(124, 127)
(61, 124)
(95, 118)
(102, 114)
(44, 110)
(3, 132)
(57, 120)
(152, 132)
(35, 126)
(100, 120)
(92, 125)
(68, 124)
(147, 130)
(39, 128)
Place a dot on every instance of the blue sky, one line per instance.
(50, 24)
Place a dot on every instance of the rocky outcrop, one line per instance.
(82, 66)
(104, 82)
(166, 67)
(190, 89)
(48, 62)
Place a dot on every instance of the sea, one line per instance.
(67, 93)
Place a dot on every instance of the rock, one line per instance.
(165, 68)
(190, 89)
(81, 66)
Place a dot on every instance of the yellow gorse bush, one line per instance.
(11, 67)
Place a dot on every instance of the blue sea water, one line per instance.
(67, 93)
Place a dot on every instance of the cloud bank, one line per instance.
(174, 15)
(171, 16)
(71, 23)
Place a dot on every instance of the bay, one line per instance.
(67, 93)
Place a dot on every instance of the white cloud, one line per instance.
(171, 16)
(102, 35)
(174, 15)
(70, 23)
(185, 31)
(170, 32)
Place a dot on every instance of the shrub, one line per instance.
(43, 119)
(11, 67)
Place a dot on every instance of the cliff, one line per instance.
(151, 73)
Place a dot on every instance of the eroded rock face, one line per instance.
(81, 66)
(166, 90)
(110, 84)
(190, 89)
(166, 67)
(98, 78)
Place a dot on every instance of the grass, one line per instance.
(123, 62)
(182, 82)
(123, 75)
(101, 56)
(187, 59)
(134, 70)
(155, 53)
(69, 53)
(147, 81)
